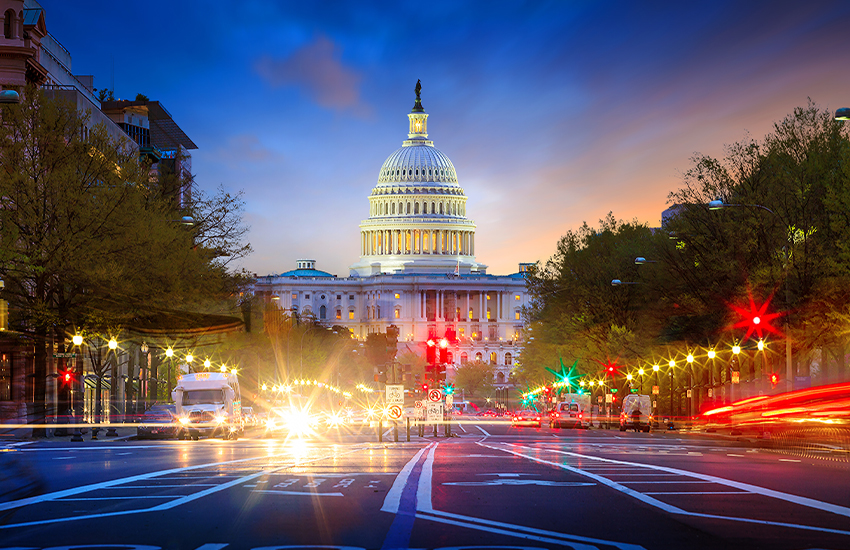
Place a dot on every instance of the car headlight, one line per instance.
(184, 420)
(270, 424)
(219, 419)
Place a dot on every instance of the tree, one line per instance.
(474, 378)
(85, 234)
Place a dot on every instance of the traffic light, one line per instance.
(425, 388)
(449, 389)
(774, 379)
(392, 340)
(431, 352)
(444, 351)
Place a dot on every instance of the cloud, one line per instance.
(317, 70)
(241, 148)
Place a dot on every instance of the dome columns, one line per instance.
(399, 242)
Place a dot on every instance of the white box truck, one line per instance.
(637, 413)
(208, 404)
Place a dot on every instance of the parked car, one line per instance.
(249, 417)
(160, 421)
(525, 418)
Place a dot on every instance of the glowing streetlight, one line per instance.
(690, 358)
(629, 377)
(169, 353)
(265, 387)
(77, 340)
(224, 368)
(113, 344)
(190, 358)
(207, 363)
(712, 354)
(656, 368)
(761, 345)
(640, 372)
(736, 349)
(672, 363)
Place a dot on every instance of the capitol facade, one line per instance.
(417, 267)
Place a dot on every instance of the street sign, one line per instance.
(689, 393)
(450, 399)
(435, 412)
(395, 394)
(609, 398)
(394, 412)
(64, 355)
(599, 399)
(736, 377)
(655, 390)
(710, 392)
(435, 395)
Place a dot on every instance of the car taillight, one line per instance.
(580, 415)
(556, 415)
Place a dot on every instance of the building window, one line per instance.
(500, 378)
(516, 314)
(323, 312)
(492, 357)
(323, 296)
(488, 296)
(464, 358)
(351, 296)
(397, 295)
(339, 314)
(508, 359)
(397, 314)
(488, 312)
(306, 296)
(339, 296)
(516, 297)
(379, 313)
(470, 313)
(351, 314)
(450, 358)
(294, 296)
(478, 357)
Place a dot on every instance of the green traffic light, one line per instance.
(449, 390)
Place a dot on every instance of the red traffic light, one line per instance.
(431, 343)
(774, 379)
(67, 377)
(444, 343)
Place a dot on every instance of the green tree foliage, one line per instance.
(87, 239)
(576, 313)
(475, 379)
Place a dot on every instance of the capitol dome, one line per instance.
(417, 211)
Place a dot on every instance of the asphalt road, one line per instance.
(493, 486)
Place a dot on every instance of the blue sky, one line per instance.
(553, 113)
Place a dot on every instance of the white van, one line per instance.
(573, 411)
(208, 403)
(637, 413)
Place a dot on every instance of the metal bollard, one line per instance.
(380, 431)
(408, 429)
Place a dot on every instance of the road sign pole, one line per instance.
(395, 431)
(408, 429)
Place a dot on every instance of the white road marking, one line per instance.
(212, 546)
(129, 497)
(740, 456)
(423, 492)
(700, 493)
(788, 460)
(299, 493)
(794, 499)
(482, 430)
(655, 481)
(393, 498)
(64, 458)
(461, 427)
(162, 486)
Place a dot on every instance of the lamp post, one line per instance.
(77, 340)
(672, 365)
(143, 376)
(718, 204)
(169, 353)
(113, 393)
(656, 367)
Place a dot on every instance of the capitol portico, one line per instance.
(417, 267)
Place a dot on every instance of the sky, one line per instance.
(553, 113)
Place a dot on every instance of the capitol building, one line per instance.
(417, 268)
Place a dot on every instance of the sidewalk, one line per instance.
(17, 435)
